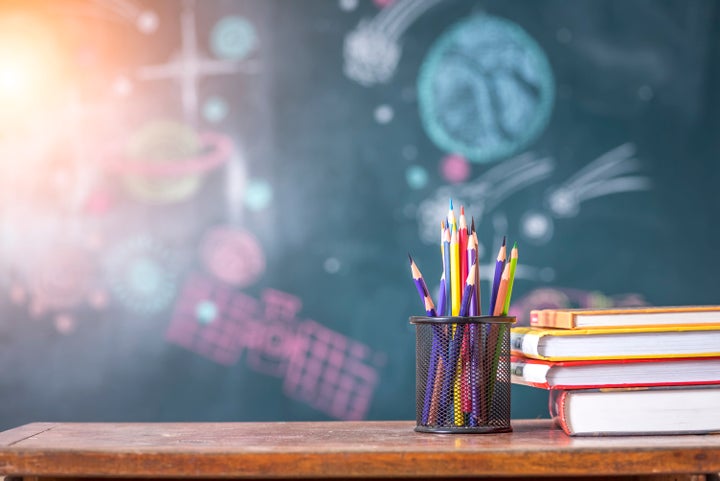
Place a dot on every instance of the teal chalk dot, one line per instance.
(206, 312)
(215, 109)
(416, 176)
(232, 38)
(258, 194)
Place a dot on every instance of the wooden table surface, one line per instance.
(337, 449)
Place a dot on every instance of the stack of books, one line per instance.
(632, 371)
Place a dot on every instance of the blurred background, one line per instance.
(206, 206)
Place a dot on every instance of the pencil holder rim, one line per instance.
(463, 320)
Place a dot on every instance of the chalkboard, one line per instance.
(206, 207)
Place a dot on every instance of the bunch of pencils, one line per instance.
(464, 355)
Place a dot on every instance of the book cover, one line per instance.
(606, 373)
(633, 316)
(637, 411)
(644, 342)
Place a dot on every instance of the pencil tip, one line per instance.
(410, 257)
(451, 206)
(462, 210)
(515, 245)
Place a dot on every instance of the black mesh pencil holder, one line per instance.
(462, 374)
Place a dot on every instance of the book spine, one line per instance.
(530, 374)
(525, 344)
(553, 319)
(559, 412)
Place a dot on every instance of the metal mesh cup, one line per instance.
(462, 374)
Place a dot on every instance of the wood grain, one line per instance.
(338, 449)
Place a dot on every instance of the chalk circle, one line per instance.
(233, 38)
(147, 22)
(348, 5)
(258, 194)
(384, 114)
(485, 89)
(331, 265)
(455, 168)
(232, 255)
(416, 177)
(537, 227)
(142, 274)
(206, 311)
(215, 109)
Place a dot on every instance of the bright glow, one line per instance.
(31, 73)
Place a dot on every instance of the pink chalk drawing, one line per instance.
(60, 281)
(208, 319)
(234, 256)
(319, 366)
(275, 335)
(280, 306)
(331, 372)
(455, 168)
(561, 298)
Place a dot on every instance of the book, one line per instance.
(616, 342)
(632, 316)
(638, 411)
(607, 373)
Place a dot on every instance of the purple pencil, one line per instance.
(499, 265)
(422, 288)
(473, 348)
(430, 310)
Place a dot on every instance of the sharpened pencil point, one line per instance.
(451, 206)
(504, 240)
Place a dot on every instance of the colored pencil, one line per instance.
(456, 288)
(462, 244)
(422, 288)
(511, 280)
(468, 291)
(499, 265)
(442, 297)
(478, 298)
(446, 271)
(502, 291)
(455, 349)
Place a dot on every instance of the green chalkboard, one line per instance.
(206, 207)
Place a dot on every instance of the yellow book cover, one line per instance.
(629, 316)
(643, 342)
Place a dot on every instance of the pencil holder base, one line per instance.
(463, 374)
(451, 430)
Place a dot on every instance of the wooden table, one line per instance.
(382, 449)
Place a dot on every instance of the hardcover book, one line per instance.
(616, 343)
(607, 373)
(638, 411)
(635, 316)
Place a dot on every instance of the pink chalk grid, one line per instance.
(330, 372)
(319, 366)
(216, 335)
